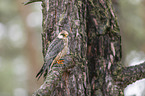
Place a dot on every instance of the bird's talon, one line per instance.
(60, 61)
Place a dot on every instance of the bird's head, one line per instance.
(63, 34)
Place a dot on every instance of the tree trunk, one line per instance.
(92, 66)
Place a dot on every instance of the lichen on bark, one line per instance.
(70, 16)
(93, 65)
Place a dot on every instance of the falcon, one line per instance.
(57, 49)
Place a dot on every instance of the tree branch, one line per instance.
(57, 77)
(127, 75)
(31, 1)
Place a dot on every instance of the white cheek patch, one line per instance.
(60, 36)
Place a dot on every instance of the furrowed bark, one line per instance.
(92, 66)
(104, 47)
(70, 79)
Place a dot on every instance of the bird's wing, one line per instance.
(54, 48)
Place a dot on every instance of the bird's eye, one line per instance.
(63, 35)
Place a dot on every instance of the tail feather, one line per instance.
(42, 70)
(39, 74)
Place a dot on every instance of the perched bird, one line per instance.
(56, 50)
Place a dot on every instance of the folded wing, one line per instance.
(53, 50)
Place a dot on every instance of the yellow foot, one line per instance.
(60, 61)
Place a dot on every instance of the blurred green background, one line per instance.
(20, 47)
(21, 50)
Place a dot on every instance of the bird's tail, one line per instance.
(42, 70)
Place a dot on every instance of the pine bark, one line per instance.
(92, 66)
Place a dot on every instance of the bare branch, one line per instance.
(31, 1)
(127, 75)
